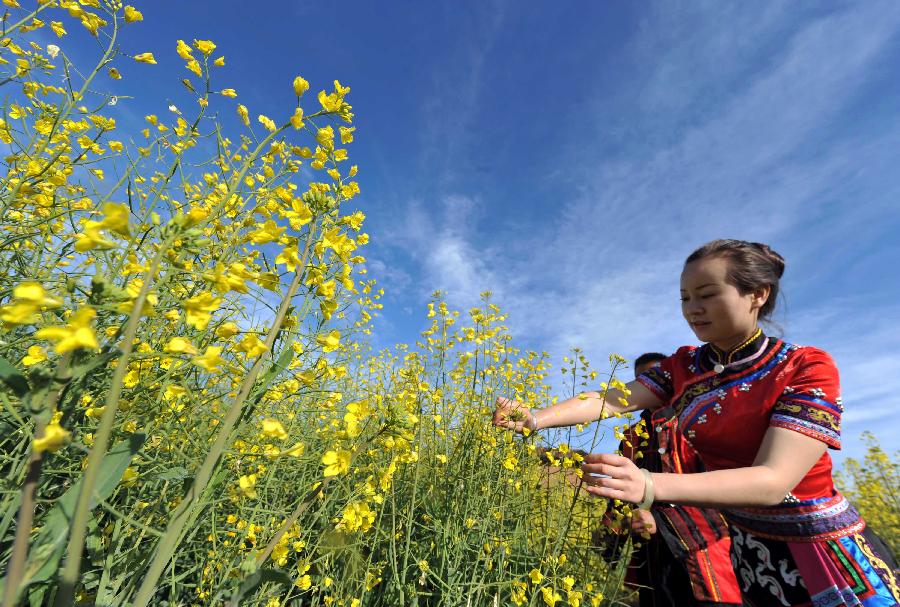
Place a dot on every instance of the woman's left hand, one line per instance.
(621, 479)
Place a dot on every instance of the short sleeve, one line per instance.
(658, 379)
(811, 402)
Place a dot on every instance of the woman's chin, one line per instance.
(703, 332)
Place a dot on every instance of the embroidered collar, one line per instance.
(746, 354)
(745, 349)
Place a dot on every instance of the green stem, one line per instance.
(19, 555)
(184, 512)
(66, 593)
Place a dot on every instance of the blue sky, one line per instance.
(568, 156)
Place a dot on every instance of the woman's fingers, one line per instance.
(605, 458)
(605, 481)
(511, 414)
(511, 425)
(609, 492)
(614, 476)
(598, 469)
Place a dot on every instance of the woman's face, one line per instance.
(715, 310)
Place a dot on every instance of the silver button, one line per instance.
(659, 428)
(661, 450)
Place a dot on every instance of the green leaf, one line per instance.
(50, 542)
(12, 378)
(255, 580)
(284, 359)
(173, 474)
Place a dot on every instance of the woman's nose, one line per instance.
(691, 308)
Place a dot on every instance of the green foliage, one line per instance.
(873, 486)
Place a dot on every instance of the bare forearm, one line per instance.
(573, 411)
(752, 486)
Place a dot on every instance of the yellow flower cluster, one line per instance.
(202, 298)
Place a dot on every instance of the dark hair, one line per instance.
(648, 357)
(750, 265)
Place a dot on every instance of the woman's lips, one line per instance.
(700, 324)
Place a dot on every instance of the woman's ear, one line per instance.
(760, 296)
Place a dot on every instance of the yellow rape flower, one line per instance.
(355, 220)
(289, 257)
(295, 451)
(247, 483)
(145, 58)
(228, 93)
(227, 329)
(244, 114)
(77, 333)
(210, 360)
(550, 596)
(326, 289)
(220, 62)
(130, 476)
(252, 346)
(535, 576)
(346, 134)
(36, 354)
(200, 308)
(184, 51)
(357, 516)
(325, 137)
(517, 594)
(336, 462)
(269, 232)
(55, 438)
(180, 345)
(91, 22)
(29, 298)
(116, 218)
(34, 293)
(267, 122)
(299, 214)
(172, 392)
(132, 15)
(300, 86)
(194, 66)
(58, 28)
(297, 118)
(331, 341)
(92, 238)
(204, 46)
(114, 73)
(272, 428)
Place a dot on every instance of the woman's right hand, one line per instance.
(643, 522)
(513, 415)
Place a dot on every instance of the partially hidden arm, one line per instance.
(592, 406)
(582, 409)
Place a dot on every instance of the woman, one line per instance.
(761, 414)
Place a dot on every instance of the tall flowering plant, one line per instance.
(191, 412)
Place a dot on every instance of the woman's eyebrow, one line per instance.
(708, 284)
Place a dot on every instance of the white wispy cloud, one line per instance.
(769, 158)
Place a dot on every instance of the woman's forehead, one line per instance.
(709, 270)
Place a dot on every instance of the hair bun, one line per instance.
(776, 259)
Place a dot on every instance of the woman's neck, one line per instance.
(731, 344)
